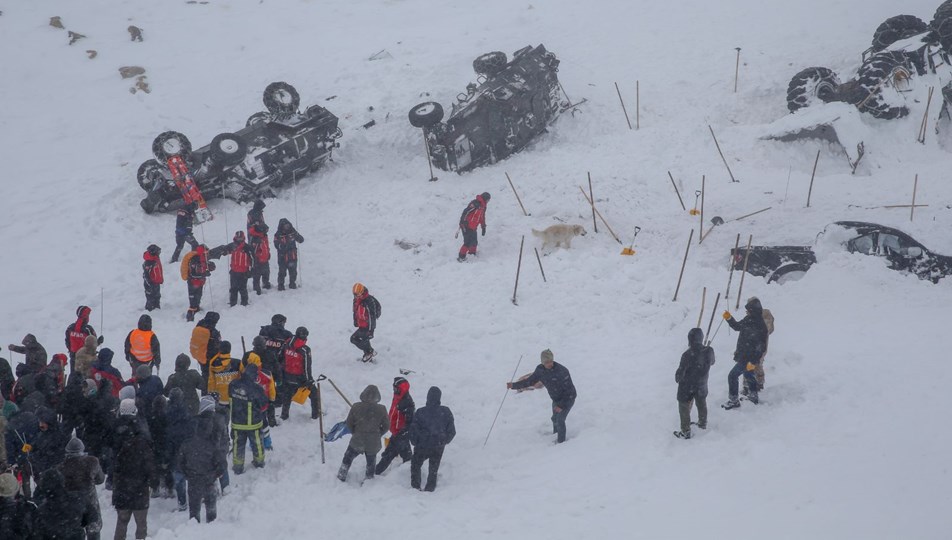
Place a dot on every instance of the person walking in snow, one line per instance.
(691, 377)
(557, 380)
(759, 370)
(199, 268)
(152, 278)
(367, 421)
(258, 239)
(366, 312)
(77, 332)
(184, 219)
(142, 346)
(35, 353)
(432, 429)
(242, 259)
(751, 347)
(474, 215)
(401, 416)
(297, 373)
(286, 240)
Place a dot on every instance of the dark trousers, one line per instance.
(290, 386)
(180, 491)
(194, 299)
(153, 295)
(558, 419)
(239, 286)
(261, 275)
(434, 456)
(202, 490)
(92, 516)
(288, 268)
(399, 446)
(240, 439)
(349, 456)
(361, 338)
(684, 411)
(122, 523)
(180, 240)
(740, 368)
(470, 241)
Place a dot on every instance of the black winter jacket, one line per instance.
(752, 337)
(133, 468)
(557, 381)
(247, 400)
(433, 425)
(200, 457)
(275, 337)
(695, 365)
(59, 513)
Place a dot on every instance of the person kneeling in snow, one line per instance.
(691, 377)
(558, 382)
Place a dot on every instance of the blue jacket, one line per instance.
(433, 425)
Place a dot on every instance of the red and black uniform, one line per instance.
(199, 268)
(242, 261)
(275, 338)
(76, 334)
(473, 216)
(401, 415)
(366, 311)
(297, 372)
(183, 230)
(286, 241)
(152, 277)
(258, 238)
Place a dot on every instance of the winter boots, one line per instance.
(732, 403)
(369, 356)
(683, 434)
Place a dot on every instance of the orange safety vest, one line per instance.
(140, 344)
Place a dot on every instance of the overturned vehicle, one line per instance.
(275, 148)
(514, 102)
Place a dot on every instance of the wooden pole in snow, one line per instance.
(700, 236)
(516, 193)
(912, 209)
(722, 154)
(713, 311)
(600, 216)
(925, 119)
(700, 315)
(675, 186)
(727, 293)
(684, 262)
(736, 69)
(518, 269)
(591, 197)
(740, 288)
(540, 265)
(638, 104)
(812, 176)
(623, 106)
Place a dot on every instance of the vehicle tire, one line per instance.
(896, 28)
(228, 149)
(942, 26)
(171, 143)
(490, 63)
(788, 273)
(150, 174)
(809, 85)
(281, 98)
(883, 70)
(426, 114)
(314, 111)
(258, 118)
(152, 202)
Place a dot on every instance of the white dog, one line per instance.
(559, 235)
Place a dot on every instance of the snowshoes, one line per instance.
(682, 434)
(731, 403)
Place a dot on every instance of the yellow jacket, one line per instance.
(222, 371)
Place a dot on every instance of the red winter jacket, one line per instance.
(240, 257)
(474, 215)
(198, 268)
(152, 269)
(363, 315)
(297, 358)
(259, 243)
(402, 408)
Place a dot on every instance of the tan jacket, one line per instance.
(85, 357)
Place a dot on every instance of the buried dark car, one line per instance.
(514, 103)
(782, 263)
(275, 148)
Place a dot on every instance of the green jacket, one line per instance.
(368, 421)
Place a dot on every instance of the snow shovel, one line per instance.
(628, 250)
(339, 430)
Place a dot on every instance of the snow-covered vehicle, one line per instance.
(780, 264)
(903, 49)
(514, 102)
(275, 148)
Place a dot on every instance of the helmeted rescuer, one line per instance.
(242, 260)
(183, 229)
(142, 346)
(366, 312)
(474, 215)
(286, 240)
(297, 372)
(275, 338)
(248, 406)
(401, 416)
(76, 334)
(205, 341)
(152, 277)
(258, 239)
(199, 268)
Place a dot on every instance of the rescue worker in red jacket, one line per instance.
(242, 260)
(286, 241)
(152, 277)
(199, 268)
(258, 239)
(401, 415)
(142, 347)
(473, 216)
(366, 311)
(76, 334)
(297, 372)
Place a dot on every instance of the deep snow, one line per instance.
(849, 441)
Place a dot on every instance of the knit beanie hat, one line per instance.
(547, 356)
(127, 407)
(8, 485)
(143, 372)
(127, 392)
(75, 447)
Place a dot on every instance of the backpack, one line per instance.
(185, 260)
(374, 306)
(769, 321)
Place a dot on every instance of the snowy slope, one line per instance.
(849, 441)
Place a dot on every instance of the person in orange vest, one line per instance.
(142, 347)
(152, 277)
(258, 238)
(474, 215)
(76, 334)
(242, 260)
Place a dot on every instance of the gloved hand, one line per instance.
(751, 367)
(484, 231)
(727, 315)
(100, 340)
(27, 448)
(509, 386)
(267, 443)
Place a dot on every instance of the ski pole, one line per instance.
(503, 401)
